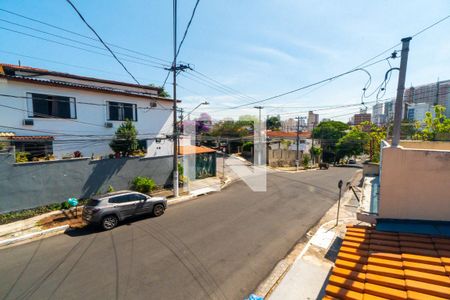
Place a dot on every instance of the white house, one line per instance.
(275, 139)
(51, 112)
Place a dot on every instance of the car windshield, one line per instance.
(93, 202)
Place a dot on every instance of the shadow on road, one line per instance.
(93, 228)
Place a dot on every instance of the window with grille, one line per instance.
(51, 106)
(118, 111)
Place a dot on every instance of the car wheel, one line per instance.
(109, 222)
(158, 210)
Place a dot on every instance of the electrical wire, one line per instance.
(63, 64)
(80, 42)
(187, 27)
(75, 47)
(81, 35)
(100, 39)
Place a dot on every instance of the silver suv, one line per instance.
(108, 209)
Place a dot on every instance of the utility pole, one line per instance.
(297, 157)
(259, 137)
(400, 91)
(175, 121)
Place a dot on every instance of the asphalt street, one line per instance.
(220, 246)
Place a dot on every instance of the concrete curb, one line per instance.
(266, 287)
(52, 231)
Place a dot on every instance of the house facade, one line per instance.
(47, 112)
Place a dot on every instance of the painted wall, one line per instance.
(414, 184)
(151, 123)
(40, 183)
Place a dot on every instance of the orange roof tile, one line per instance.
(376, 265)
(186, 150)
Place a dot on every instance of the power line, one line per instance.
(76, 47)
(100, 39)
(61, 63)
(362, 65)
(86, 103)
(431, 26)
(79, 42)
(187, 27)
(81, 35)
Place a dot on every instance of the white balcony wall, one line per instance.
(415, 183)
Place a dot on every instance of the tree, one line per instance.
(316, 152)
(434, 127)
(203, 123)
(232, 129)
(273, 123)
(353, 143)
(125, 140)
(161, 92)
(329, 133)
(306, 159)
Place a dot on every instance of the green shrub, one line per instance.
(247, 146)
(143, 184)
(28, 213)
(110, 189)
(306, 160)
(22, 157)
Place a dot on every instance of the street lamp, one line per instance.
(200, 104)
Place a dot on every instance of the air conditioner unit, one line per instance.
(28, 122)
(108, 124)
(153, 104)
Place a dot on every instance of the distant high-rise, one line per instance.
(389, 108)
(378, 117)
(313, 120)
(437, 93)
(363, 116)
(417, 111)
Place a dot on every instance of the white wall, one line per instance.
(151, 123)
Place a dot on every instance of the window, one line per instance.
(51, 106)
(137, 197)
(118, 111)
(121, 199)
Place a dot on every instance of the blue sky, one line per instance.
(257, 48)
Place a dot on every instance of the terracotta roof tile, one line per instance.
(419, 251)
(373, 297)
(439, 270)
(386, 271)
(384, 242)
(385, 262)
(428, 288)
(341, 293)
(363, 246)
(349, 274)
(352, 257)
(374, 265)
(428, 246)
(354, 250)
(387, 255)
(346, 283)
(384, 291)
(413, 295)
(427, 277)
(421, 258)
(350, 265)
(386, 281)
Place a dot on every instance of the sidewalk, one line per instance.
(304, 272)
